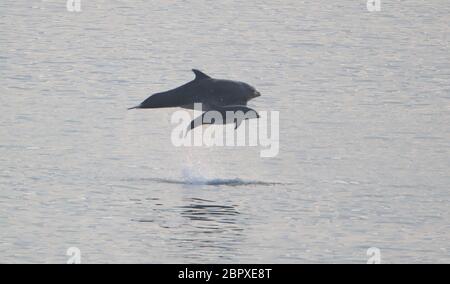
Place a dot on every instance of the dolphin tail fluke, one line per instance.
(139, 106)
(173, 98)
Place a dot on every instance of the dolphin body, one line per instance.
(218, 95)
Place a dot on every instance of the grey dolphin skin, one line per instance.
(218, 95)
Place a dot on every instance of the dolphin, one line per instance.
(219, 95)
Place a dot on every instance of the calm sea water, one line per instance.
(364, 161)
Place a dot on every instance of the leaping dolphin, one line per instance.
(214, 95)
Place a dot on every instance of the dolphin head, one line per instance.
(250, 91)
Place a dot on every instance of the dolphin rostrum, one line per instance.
(219, 95)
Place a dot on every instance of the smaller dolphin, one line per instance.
(219, 95)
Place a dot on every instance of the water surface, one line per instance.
(364, 102)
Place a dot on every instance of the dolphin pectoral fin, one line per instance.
(237, 122)
(194, 123)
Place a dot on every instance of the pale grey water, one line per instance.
(364, 101)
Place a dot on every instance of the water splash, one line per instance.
(193, 176)
(214, 181)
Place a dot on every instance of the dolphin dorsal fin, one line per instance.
(199, 75)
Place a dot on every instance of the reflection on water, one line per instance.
(212, 227)
(198, 229)
(206, 210)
